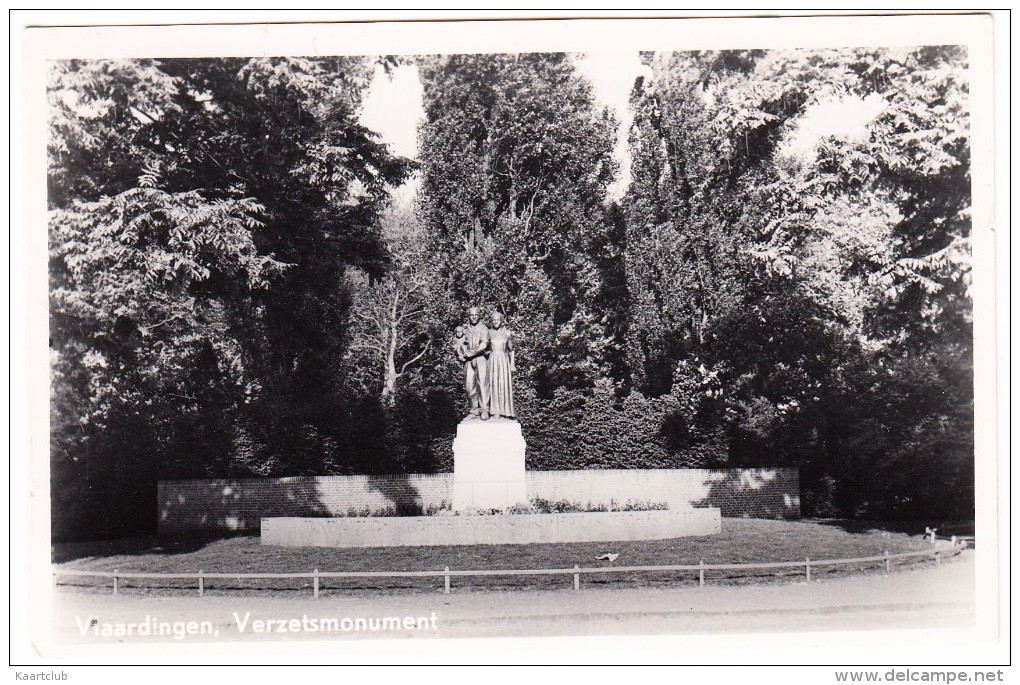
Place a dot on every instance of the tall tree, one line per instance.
(516, 159)
(684, 253)
(396, 317)
(202, 215)
(830, 266)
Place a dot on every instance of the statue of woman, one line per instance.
(501, 368)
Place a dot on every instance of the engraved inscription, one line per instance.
(495, 529)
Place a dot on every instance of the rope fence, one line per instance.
(316, 576)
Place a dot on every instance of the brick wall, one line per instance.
(758, 493)
(186, 505)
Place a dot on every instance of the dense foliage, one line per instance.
(516, 160)
(233, 292)
(818, 294)
(202, 216)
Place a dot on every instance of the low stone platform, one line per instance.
(499, 529)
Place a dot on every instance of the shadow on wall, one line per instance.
(752, 494)
(400, 493)
(234, 506)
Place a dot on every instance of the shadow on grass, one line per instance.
(184, 543)
(944, 528)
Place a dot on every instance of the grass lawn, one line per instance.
(741, 540)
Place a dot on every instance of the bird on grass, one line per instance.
(609, 557)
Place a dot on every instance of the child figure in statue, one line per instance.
(501, 369)
(460, 344)
(461, 348)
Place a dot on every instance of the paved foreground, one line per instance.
(919, 598)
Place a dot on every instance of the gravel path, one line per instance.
(917, 598)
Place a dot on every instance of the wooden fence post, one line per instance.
(577, 579)
(887, 562)
(315, 583)
(446, 581)
(116, 581)
(701, 574)
(201, 583)
(807, 567)
(938, 558)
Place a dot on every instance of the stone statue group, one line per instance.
(487, 353)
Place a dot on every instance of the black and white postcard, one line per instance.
(591, 339)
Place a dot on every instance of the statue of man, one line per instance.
(476, 376)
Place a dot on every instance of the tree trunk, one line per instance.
(390, 370)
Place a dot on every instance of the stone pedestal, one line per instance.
(488, 464)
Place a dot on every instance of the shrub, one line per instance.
(596, 429)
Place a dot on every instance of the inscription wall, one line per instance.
(239, 505)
